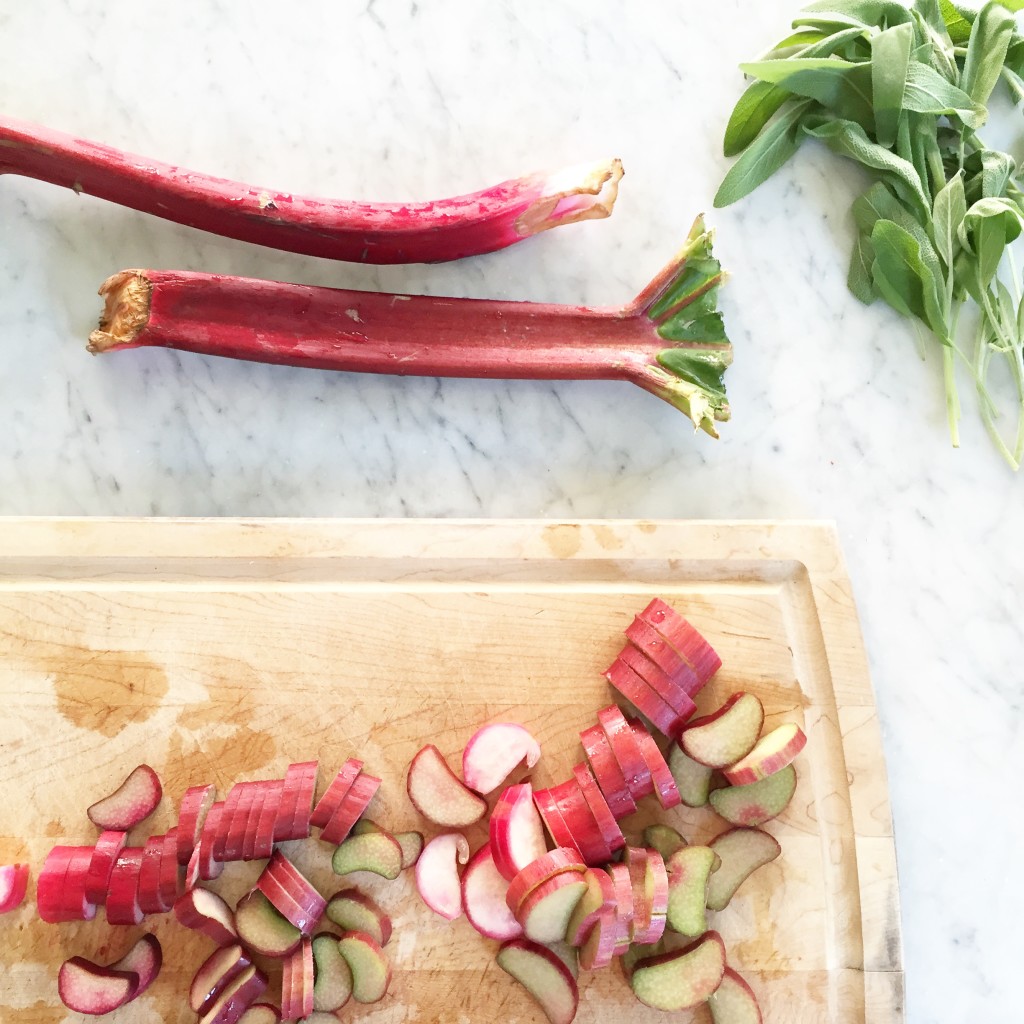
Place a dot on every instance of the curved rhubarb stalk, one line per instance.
(670, 340)
(358, 232)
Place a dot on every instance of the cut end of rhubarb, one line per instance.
(584, 192)
(125, 313)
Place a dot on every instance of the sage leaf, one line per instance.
(958, 22)
(759, 161)
(890, 61)
(904, 279)
(948, 212)
(927, 92)
(762, 100)
(987, 228)
(878, 13)
(840, 86)
(936, 47)
(986, 51)
(880, 203)
(850, 140)
(859, 278)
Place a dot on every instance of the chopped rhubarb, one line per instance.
(133, 801)
(13, 883)
(669, 340)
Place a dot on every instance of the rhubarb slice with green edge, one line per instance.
(682, 978)
(689, 871)
(693, 779)
(663, 838)
(734, 1002)
(669, 341)
(742, 851)
(758, 802)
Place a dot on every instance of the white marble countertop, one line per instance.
(834, 414)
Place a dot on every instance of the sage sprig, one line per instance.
(903, 91)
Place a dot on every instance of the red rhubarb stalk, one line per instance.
(359, 232)
(669, 340)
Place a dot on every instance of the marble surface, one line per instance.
(835, 414)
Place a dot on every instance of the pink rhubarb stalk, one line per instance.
(669, 340)
(359, 232)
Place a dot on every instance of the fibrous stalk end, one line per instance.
(125, 313)
(585, 192)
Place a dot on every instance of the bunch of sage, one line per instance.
(903, 91)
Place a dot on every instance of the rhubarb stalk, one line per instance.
(358, 232)
(670, 340)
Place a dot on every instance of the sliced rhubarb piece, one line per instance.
(582, 826)
(734, 1002)
(494, 752)
(483, 897)
(595, 903)
(88, 988)
(606, 823)
(354, 911)
(598, 951)
(635, 859)
(108, 848)
(295, 884)
(689, 871)
(370, 967)
(625, 910)
(771, 754)
(727, 734)
(335, 792)
(411, 845)
(170, 876)
(263, 839)
(297, 982)
(663, 838)
(122, 902)
(303, 917)
(742, 851)
(219, 969)
(607, 772)
(646, 639)
(222, 839)
(693, 780)
(657, 892)
(252, 820)
(236, 998)
(758, 802)
(209, 866)
(676, 694)
(332, 984)
(438, 794)
(643, 698)
(555, 824)
(352, 805)
(144, 959)
(627, 751)
(544, 976)
(437, 874)
(262, 928)
(60, 890)
(150, 899)
(568, 955)
(13, 884)
(685, 639)
(664, 784)
(133, 801)
(206, 912)
(305, 796)
(544, 868)
(195, 805)
(377, 852)
(683, 978)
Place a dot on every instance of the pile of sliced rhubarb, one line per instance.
(558, 882)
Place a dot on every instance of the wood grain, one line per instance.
(219, 650)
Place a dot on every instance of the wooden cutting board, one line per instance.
(221, 650)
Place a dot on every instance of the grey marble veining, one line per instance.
(835, 413)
